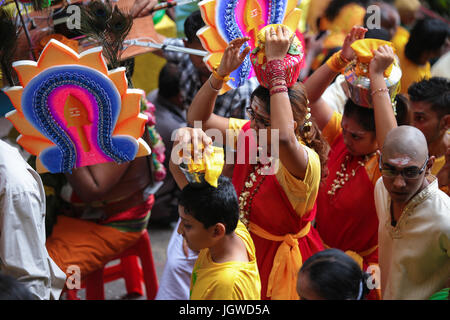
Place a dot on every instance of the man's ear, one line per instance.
(219, 230)
(444, 124)
(430, 164)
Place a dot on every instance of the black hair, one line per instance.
(378, 33)
(366, 117)
(435, 91)
(169, 80)
(334, 275)
(211, 205)
(192, 24)
(335, 6)
(11, 289)
(427, 35)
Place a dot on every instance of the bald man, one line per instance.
(414, 219)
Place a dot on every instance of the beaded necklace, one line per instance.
(342, 176)
(251, 187)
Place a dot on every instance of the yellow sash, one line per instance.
(282, 284)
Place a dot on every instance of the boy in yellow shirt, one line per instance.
(226, 267)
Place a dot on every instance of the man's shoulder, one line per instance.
(14, 171)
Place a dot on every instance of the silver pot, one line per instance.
(359, 86)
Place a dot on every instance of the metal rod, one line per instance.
(166, 47)
(25, 28)
(167, 5)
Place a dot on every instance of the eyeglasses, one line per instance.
(260, 120)
(407, 173)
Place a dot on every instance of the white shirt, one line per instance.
(335, 95)
(442, 67)
(414, 256)
(23, 254)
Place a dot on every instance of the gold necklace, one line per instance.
(342, 176)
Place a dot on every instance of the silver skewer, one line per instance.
(169, 47)
(166, 5)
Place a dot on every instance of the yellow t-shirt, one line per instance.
(231, 280)
(301, 193)
(400, 38)
(411, 72)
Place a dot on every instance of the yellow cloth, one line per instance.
(363, 49)
(411, 72)
(231, 280)
(212, 165)
(288, 260)
(437, 165)
(301, 193)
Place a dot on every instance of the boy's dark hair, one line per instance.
(435, 91)
(169, 81)
(366, 117)
(11, 289)
(335, 276)
(192, 24)
(211, 205)
(427, 35)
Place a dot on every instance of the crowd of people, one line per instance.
(353, 203)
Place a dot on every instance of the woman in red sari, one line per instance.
(346, 217)
(277, 206)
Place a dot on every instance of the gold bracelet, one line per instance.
(336, 62)
(379, 90)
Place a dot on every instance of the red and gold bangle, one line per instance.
(282, 82)
(278, 90)
(276, 73)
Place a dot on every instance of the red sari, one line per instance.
(347, 219)
(282, 238)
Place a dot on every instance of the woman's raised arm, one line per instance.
(201, 108)
(318, 82)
